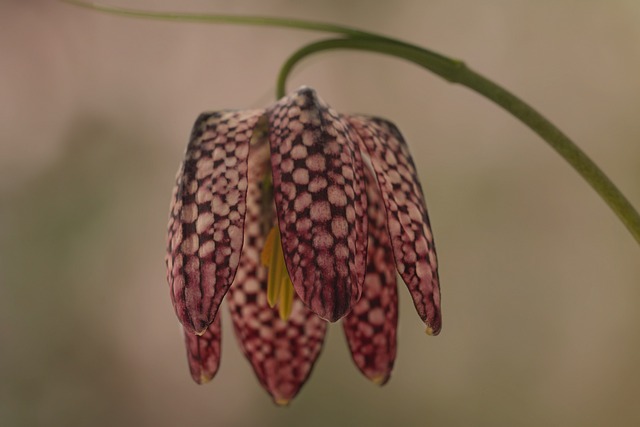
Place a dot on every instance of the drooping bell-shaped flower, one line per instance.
(301, 215)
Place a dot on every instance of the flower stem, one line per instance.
(223, 19)
(457, 72)
(452, 70)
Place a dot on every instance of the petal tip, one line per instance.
(379, 379)
(332, 316)
(281, 401)
(192, 320)
(203, 379)
(198, 328)
(432, 332)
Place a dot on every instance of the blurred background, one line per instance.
(540, 281)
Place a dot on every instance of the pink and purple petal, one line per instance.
(407, 219)
(371, 326)
(205, 232)
(203, 352)
(282, 353)
(320, 201)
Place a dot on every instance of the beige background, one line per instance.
(540, 281)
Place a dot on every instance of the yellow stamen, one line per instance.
(268, 248)
(286, 296)
(275, 271)
(279, 286)
(429, 331)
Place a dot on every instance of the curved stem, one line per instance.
(458, 72)
(224, 19)
(263, 21)
(450, 69)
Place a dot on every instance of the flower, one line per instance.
(302, 215)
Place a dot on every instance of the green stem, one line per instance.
(451, 70)
(457, 72)
(263, 21)
(224, 19)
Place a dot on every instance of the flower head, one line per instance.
(301, 215)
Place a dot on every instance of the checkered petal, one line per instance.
(371, 326)
(207, 215)
(320, 200)
(282, 353)
(203, 352)
(407, 219)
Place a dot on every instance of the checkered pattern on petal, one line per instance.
(407, 219)
(371, 326)
(282, 353)
(320, 200)
(207, 215)
(203, 352)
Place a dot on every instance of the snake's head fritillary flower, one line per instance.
(302, 215)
